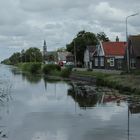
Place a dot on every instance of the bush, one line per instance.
(30, 67)
(47, 69)
(66, 72)
(35, 67)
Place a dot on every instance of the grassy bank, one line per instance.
(128, 83)
(45, 69)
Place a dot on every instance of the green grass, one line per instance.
(129, 83)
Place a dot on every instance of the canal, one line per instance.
(37, 108)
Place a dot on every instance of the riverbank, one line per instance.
(53, 70)
(126, 83)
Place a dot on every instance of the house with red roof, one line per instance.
(109, 55)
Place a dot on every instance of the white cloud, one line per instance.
(26, 23)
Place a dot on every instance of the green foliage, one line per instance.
(30, 67)
(15, 58)
(30, 55)
(35, 67)
(6, 61)
(62, 49)
(102, 37)
(80, 42)
(47, 69)
(33, 55)
(65, 72)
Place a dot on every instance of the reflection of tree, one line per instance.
(32, 78)
(15, 71)
(84, 99)
(51, 80)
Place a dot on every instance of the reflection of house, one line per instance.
(110, 55)
(134, 51)
(134, 108)
(88, 56)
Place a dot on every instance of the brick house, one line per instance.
(109, 55)
(134, 51)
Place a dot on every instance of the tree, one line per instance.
(33, 55)
(62, 49)
(15, 58)
(30, 55)
(80, 42)
(102, 37)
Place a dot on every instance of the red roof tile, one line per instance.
(114, 48)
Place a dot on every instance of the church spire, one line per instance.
(44, 42)
(44, 49)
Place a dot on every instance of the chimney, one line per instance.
(117, 39)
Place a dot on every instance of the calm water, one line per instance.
(34, 108)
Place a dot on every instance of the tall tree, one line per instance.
(102, 37)
(33, 55)
(80, 42)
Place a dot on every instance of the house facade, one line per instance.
(134, 51)
(88, 56)
(109, 55)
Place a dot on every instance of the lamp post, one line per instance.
(128, 59)
(75, 62)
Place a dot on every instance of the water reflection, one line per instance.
(83, 100)
(44, 109)
(90, 96)
(31, 78)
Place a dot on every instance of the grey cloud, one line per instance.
(26, 23)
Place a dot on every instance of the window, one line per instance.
(101, 61)
(133, 63)
(96, 62)
(111, 62)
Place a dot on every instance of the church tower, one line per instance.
(44, 50)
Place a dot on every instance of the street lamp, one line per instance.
(128, 63)
(75, 62)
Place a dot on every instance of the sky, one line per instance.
(26, 23)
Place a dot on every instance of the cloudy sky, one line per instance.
(26, 23)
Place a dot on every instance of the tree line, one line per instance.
(30, 55)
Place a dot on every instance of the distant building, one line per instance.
(64, 57)
(56, 57)
(49, 56)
